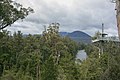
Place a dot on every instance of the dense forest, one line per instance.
(46, 57)
(52, 57)
(49, 56)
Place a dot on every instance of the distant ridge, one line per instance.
(78, 36)
(63, 33)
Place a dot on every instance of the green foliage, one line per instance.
(105, 67)
(10, 12)
(51, 57)
(11, 75)
(97, 35)
(37, 57)
(49, 70)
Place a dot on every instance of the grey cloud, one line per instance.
(87, 15)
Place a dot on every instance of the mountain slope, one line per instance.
(78, 36)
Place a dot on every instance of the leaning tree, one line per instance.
(10, 12)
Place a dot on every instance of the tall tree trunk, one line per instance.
(38, 72)
(118, 24)
(118, 15)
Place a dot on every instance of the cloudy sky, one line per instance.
(82, 15)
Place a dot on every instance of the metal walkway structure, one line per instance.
(104, 38)
(109, 39)
(101, 42)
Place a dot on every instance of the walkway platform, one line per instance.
(108, 39)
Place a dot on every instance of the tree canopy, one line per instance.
(11, 11)
(52, 57)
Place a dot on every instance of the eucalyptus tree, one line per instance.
(11, 11)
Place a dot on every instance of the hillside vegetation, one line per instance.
(51, 57)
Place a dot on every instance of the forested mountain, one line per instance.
(78, 36)
(63, 34)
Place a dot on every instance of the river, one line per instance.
(82, 55)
